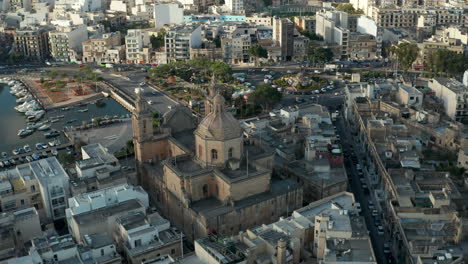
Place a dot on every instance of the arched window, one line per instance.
(230, 151)
(214, 154)
(200, 150)
(205, 190)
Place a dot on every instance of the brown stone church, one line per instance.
(207, 178)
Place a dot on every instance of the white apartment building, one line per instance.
(167, 14)
(455, 97)
(97, 211)
(53, 184)
(180, 39)
(80, 5)
(235, 6)
(87, 202)
(96, 161)
(136, 44)
(144, 237)
(66, 42)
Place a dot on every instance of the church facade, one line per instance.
(206, 178)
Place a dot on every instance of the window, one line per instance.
(102, 252)
(200, 150)
(230, 152)
(205, 190)
(33, 188)
(214, 154)
(172, 251)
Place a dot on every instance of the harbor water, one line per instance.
(11, 121)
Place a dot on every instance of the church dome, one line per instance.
(219, 124)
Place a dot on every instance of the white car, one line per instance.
(264, 70)
(150, 102)
(289, 71)
(380, 230)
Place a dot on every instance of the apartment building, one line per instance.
(104, 49)
(454, 95)
(97, 248)
(96, 212)
(305, 23)
(283, 34)
(32, 43)
(362, 47)
(327, 231)
(42, 184)
(260, 20)
(142, 237)
(167, 14)
(236, 49)
(235, 6)
(66, 43)
(180, 39)
(419, 204)
(394, 18)
(97, 170)
(16, 229)
(301, 47)
(456, 32)
(137, 46)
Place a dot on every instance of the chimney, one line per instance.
(281, 252)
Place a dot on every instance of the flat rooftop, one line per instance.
(96, 215)
(349, 250)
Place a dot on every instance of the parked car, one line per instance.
(380, 230)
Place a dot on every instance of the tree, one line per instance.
(60, 84)
(258, 52)
(446, 61)
(311, 36)
(52, 74)
(266, 96)
(158, 41)
(348, 8)
(222, 71)
(66, 159)
(319, 54)
(406, 53)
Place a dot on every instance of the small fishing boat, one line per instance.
(82, 110)
(53, 133)
(43, 127)
(25, 132)
(27, 148)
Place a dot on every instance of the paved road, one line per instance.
(349, 145)
(159, 101)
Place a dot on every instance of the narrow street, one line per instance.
(351, 147)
